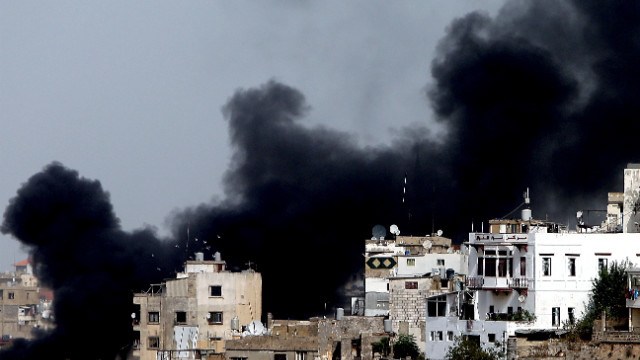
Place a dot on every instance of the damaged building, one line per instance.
(194, 315)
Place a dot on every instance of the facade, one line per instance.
(24, 306)
(405, 256)
(196, 313)
(525, 275)
(343, 338)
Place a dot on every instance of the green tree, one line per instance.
(405, 346)
(381, 346)
(465, 349)
(607, 295)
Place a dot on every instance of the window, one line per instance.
(572, 315)
(154, 317)
(440, 262)
(492, 337)
(432, 336)
(10, 295)
(510, 310)
(410, 284)
(411, 262)
(502, 267)
(181, 317)
(490, 266)
(215, 290)
(436, 306)
(279, 356)
(214, 317)
(602, 263)
(449, 335)
(555, 316)
(480, 266)
(546, 266)
(492, 309)
(523, 266)
(439, 335)
(301, 355)
(571, 266)
(154, 342)
(1, 294)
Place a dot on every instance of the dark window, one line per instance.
(571, 266)
(215, 290)
(436, 306)
(154, 342)
(546, 266)
(510, 310)
(490, 267)
(279, 356)
(154, 317)
(502, 267)
(410, 284)
(555, 316)
(492, 337)
(440, 262)
(214, 317)
(523, 266)
(572, 315)
(10, 296)
(480, 266)
(491, 309)
(602, 263)
(181, 317)
(1, 294)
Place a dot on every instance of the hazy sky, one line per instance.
(130, 93)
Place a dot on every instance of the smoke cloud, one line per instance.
(541, 96)
(80, 252)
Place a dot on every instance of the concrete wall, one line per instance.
(631, 218)
(407, 308)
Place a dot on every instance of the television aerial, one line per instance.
(379, 232)
(394, 230)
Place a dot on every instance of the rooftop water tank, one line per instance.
(199, 256)
(526, 214)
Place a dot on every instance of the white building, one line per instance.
(526, 267)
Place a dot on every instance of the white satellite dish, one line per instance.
(394, 230)
(427, 244)
(439, 233)
(522, 298)
(255, 328)
(133, 315)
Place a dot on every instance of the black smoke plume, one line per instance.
(541, 96)
(544, 95)
(80, 252)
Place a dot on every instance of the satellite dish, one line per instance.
(255, 328)
(522, 298)
(379, 232)
(133, 315)
(427, 244)
(394, 230)
(439, 233)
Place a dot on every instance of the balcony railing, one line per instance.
(475, 282)
(518, 283)
(479, 282)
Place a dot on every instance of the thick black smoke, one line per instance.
(542, 96)
(80, 252)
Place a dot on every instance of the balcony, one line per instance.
(518, 283)
(475, 282)
(497, 283)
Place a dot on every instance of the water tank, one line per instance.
(387, 325)
(217, 256)
(450, 273)
(339, 313)
(199, 256)
(503, 228)
(235, 323)
(526, 214)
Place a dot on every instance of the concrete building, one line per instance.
(193, 315)
(343, 338)
(524, 275)
(24, 306)
(405, 256)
